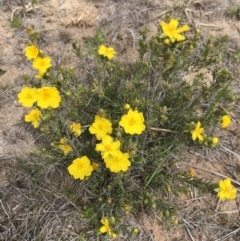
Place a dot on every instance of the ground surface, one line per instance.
(48, 215)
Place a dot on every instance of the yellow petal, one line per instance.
(221, 195)
(164, 26)
(179, 37)
(173, 23)
(103, 229)
(183, 29)
(222, 184)
(227, 182)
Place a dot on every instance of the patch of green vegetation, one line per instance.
(16, 22)
(234, 11)
(2, 72)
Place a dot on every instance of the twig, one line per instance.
(4, 208)
(219, 200)
(213, 172)
(186, 10)
(188, 231)
(160, 129)
(208, 25)
(227, 212)
(229, 234)
(159, 15)
(225, 148)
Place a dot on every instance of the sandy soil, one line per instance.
(59, 22)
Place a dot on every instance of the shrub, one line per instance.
(116, 127)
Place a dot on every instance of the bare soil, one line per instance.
(46, 214)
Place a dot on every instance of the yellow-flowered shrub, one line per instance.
(117, 127)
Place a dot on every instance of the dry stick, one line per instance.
(229, 234)
(218, 203)
(225, 148)
(4, 208)
(213, 172)
(188, 231)
(159, 15)
(160, 129)
(27, 8)
(209, 25)
(227, 212)
(186, 10)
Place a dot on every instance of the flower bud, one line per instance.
(132, 153)
(71, 69)
(44, 129)
(68, 93)
(153, 205)
(118, 134)
(135, 231)
(112, 220)
(146, 201)
(208, 139)
(127, 106)
(101, 113)
(175, 222)
(46, 116)
(136, 102)
(163, 118)
(215, 140)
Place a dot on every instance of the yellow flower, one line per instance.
(48, 97)
(76, 129)
(101, 127)
(132, 122)
(215, 140)
(226, 190)
(226, 120)
(80, 168)
(106, 228)
(197, 132)
(191, 172)
(117, 161)
(42, 64)
(170, 30)
(106, 52)
(34, 117)
(28, 96)
(107, 146)
(31, 52)
(65, 148)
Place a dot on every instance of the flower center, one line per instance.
(45, 95)
(100, 126)
(42, 63)
(171, 29)
(108, 147)
(29, 96)
(80, 166)
(35, 116)
(132, 121)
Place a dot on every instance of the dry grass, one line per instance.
(40, 207)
